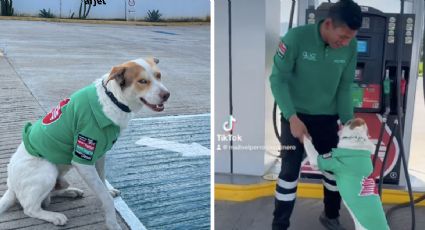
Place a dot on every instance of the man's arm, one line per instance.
(284, 62)
(344, 96)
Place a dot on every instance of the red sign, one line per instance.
(372, 96)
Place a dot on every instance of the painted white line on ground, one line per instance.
(187, 150)
(130, 219)
(173, 117)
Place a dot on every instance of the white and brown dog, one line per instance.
(33, 180)
(352, 167)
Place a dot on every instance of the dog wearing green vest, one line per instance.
(352, 167)
(77, 133)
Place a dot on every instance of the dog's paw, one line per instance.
(113, 225)
(73, 193)
(58, 219)
(114, 192)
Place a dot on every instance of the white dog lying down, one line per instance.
(352, 166)
(77, 133)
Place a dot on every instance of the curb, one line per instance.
(128, 216)
(242, 193)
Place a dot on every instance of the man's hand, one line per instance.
(298, 129)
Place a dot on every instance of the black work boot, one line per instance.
(330, 224)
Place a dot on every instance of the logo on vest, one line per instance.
(368, 187)
(309, 56)
(85, 147)
(55, 113)
(282, 50)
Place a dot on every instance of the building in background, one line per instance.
(117, 9)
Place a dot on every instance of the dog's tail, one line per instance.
(7, 200)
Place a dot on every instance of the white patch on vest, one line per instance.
(187, 150)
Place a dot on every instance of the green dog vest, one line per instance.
(75, 130)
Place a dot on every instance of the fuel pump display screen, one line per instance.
(362, 46)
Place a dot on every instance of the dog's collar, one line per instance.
(115, 100)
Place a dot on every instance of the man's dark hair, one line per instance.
(346, 12)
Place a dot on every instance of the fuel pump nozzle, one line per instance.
(387, 93)
(387, 111)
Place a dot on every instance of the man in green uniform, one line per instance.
(311, 79)
(73, 131)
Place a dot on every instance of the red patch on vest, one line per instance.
(88, 144)
(282, 49)
(369, 187)
(55, 113)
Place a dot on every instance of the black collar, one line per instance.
(115, 100)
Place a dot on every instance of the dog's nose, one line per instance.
(164, 95)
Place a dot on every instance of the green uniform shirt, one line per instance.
(76, 130)
(312, 78)
(352, 170)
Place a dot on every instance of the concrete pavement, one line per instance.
(64, 57)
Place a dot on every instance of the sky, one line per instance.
(387, 6)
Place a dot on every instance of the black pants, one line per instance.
(324, 132)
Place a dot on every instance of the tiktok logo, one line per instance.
(230, 124)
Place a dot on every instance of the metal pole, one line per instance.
(400, 112)
(422, 57)
(125, 10)
(230, 81)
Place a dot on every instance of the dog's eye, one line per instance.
(143, 81)
(158, 76)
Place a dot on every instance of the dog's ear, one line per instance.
(152, 60)
(117, 74)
